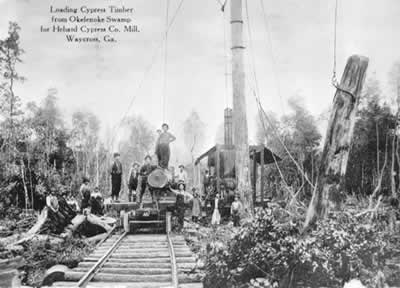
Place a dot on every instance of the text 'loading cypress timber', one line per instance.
(88, 10)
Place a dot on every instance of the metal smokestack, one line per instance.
(228, 127)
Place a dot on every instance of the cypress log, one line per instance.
(158, 178)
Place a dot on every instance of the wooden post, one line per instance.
(240, 130)
(339, 134)
(262, 175)
(168, 217)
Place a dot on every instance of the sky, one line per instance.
(294, 56)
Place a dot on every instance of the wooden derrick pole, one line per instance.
(240, 130)
(338, 139)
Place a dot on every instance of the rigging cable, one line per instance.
(165, 64)
(335, 82)
(282, 143)
(270, 48)
(146, 72)
(253, 63)
(222, 5)
(334, 79)
(225, 55)
(273, 155)
(261, 109)
(256, 88)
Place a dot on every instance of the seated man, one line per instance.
(96, 202)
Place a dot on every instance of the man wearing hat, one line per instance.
(181, 175)
(116, 177)
(163, 151)
(133, 181)
(157, 143)
(84, 191)
(144, 172)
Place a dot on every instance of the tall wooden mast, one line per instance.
(240, 129)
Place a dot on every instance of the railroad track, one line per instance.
(133, 261)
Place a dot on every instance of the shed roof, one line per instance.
(253, 149)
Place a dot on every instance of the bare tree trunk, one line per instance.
(30, 181)
(312, 166)
(25, 188)
(12, 139)
(338, 138)
(395, 147)
(17, 200)
(77, 162)
(397, 159)
(377, 147)
(380, 177)
(392, 172)
(362, 176)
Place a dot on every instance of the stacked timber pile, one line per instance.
(49, 240)
(60, 220)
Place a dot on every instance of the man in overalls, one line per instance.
(163, 151)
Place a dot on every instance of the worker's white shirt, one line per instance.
(182, 176)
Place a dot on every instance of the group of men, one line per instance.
(215, 198)
(90, 199)
(138, 178)
(138, 175)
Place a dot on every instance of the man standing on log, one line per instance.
(144, 172)
(163, 151)
(116, 177)
(157, 144)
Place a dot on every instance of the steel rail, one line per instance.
(107, 236)
(174, 270)
(97, 266)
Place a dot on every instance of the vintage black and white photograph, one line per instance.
(200, 143)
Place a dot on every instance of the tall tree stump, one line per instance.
(338, 139)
